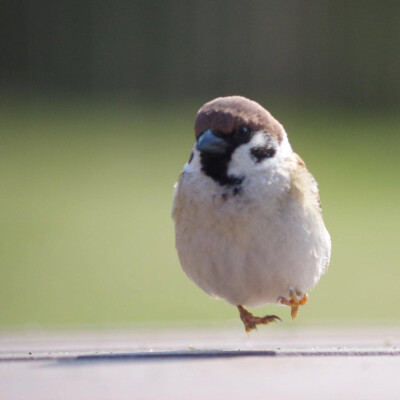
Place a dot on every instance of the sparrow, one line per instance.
(247, 213)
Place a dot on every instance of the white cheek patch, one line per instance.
(285, 149)
(242, 161)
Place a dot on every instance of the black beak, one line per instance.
(209, 143)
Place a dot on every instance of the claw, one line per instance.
(250, 321)
(297, 299)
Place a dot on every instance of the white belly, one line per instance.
(247, 253)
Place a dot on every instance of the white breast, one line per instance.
(251, 247)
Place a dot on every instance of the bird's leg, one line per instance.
(296, 299)
(250, 321)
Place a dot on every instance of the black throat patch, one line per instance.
(216, 167)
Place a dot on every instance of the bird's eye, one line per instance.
(242, 135)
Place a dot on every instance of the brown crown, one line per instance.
(226, 114)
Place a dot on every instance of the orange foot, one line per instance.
(296, 299)
(250, 321)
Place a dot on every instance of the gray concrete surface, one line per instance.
(200, 363)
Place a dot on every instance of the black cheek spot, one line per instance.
(191, 157)
(261, 153)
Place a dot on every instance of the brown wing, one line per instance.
(303, 182)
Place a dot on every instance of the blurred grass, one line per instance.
(85, 228)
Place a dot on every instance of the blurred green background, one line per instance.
(97, 106)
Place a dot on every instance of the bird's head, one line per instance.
(236, 136)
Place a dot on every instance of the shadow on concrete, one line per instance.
(180, 355)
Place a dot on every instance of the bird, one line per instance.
(247, 213)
